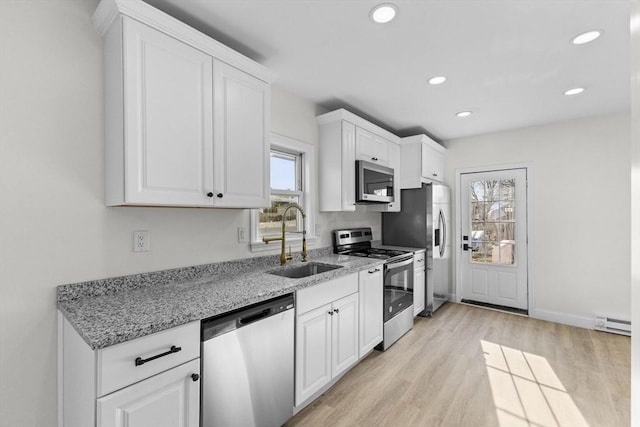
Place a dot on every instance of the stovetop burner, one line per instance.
(357, 242)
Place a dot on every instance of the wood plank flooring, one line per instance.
(469, 366)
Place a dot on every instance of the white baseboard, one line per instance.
(565, 319)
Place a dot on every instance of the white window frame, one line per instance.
(308, 155)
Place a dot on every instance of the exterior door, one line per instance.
(493, 265)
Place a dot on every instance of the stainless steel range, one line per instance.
(398, 279)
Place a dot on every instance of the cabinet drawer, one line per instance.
(418, 260)
(325, 293)
(116, 365)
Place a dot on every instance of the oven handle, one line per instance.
(391, 266)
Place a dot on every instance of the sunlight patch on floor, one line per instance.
(526, 391)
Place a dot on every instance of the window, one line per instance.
(292, 166)
(286, 187)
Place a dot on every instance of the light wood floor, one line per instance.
(475, 367)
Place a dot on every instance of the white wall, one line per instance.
(635, 211)
(54, 227)
(581, 220)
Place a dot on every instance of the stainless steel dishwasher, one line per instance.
(247, 366)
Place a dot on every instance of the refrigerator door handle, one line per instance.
(443, 235)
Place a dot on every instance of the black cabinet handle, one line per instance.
(336, 310)
(375, 159)
(330, 313)
(195, 377)
(209, 194)
(219, 195)
(140, 361)
(373, 271)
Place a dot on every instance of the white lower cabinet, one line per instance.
(152, 381)
(169, 399)
(419, 283)
(370, 295)
(326, 334)
(344, 334)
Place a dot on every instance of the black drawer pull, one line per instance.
(173, 349)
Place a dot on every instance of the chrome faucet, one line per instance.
(284, 257)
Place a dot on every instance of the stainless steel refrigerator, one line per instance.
(424, 223)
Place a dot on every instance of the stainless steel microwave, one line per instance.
(374, 183)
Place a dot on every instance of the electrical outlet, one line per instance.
(242, 235)
(141, 241)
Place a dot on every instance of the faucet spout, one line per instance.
(284, 257)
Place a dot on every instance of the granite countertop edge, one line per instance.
(111, 311)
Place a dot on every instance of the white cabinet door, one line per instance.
(169, 399)
(344, 334)
(371, 147)
(371, 306)
(313, 351)
(241, 150)
(348, 184)
(418, 290)
(432, 164)
(168, 134)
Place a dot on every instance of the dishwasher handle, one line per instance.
(253, 317)
(245, 316)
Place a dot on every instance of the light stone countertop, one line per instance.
(112, 311)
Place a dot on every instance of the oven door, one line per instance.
(398, 286)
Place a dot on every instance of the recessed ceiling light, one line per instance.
(574, 91)
(384, 13)
(463, 114)
(587, 37)
(437, 80)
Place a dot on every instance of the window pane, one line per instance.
(270, 221)
(477, 254)
(284, 171)
(493, 221)
(502, 253)
(508, 189)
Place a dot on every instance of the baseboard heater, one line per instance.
(610, 324)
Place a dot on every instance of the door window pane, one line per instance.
(493, 221)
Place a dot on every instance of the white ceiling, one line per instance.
(508, 61)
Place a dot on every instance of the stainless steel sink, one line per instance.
(306, 270)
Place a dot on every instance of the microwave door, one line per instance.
(374, 183)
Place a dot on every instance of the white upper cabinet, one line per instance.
(345, 138)
(371, 147)
(186, 118)
(241, 152)
(167, 99)
(422, 161)
(337, 167)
